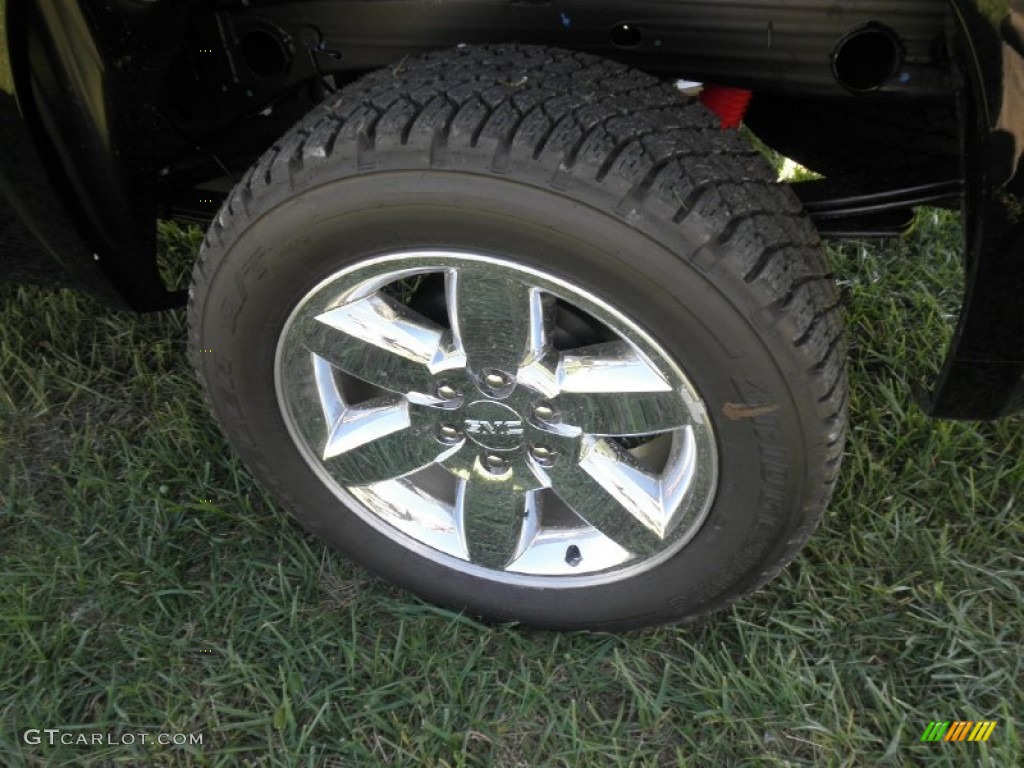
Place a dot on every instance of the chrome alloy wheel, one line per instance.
(504, 422)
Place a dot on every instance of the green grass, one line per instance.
(148, 584)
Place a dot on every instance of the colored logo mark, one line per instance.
(960, 730)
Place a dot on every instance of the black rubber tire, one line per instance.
(606, 177)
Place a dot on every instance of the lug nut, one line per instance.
(446, 392)
(448, 433)
(544, 412)
(494, 462)
(495, 380)
(544, 455)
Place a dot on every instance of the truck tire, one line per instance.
(524, 331)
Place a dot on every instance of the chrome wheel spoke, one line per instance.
(498, 321)
(382, 441)
(381, 342)
(370, 422)
(613, 494)
(615, 366)
(611, 389)
(608, 414)
(564, 552)
(489, 514)
(412, 509)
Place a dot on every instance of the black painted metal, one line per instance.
(82, 99)
(825, 200)
(983, 376)
(39, 242)
(876, 226)
(768, 45)
(861, 208)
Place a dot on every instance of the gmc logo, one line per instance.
(481, 427)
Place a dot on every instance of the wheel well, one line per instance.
(193, 92)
